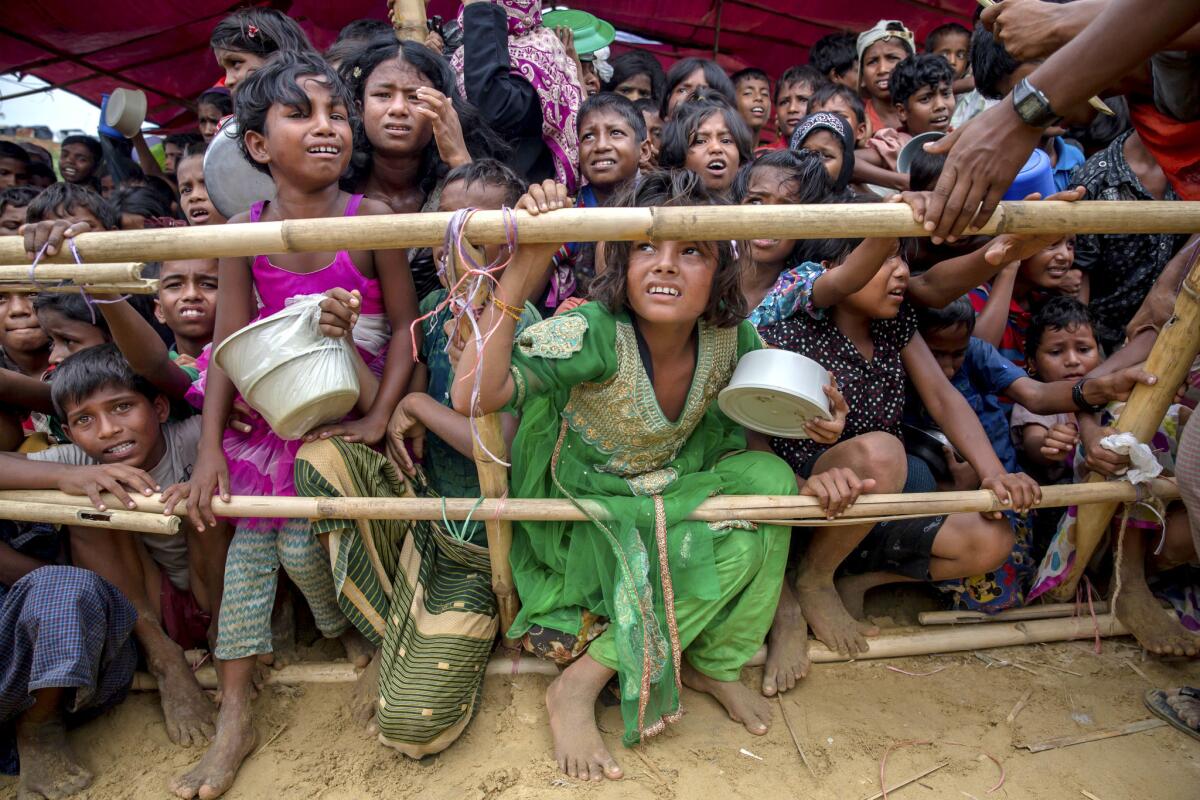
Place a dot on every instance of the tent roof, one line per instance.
(162, 48)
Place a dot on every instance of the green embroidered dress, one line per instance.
(591, 427)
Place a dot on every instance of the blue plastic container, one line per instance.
(104, 127)
(1036, 176)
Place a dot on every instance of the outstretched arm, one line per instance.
(835, 285)
(144, 349)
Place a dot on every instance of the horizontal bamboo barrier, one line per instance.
(1043, 611)
(71, 513)
(608, 224)
(899, 643)
(91, 287)
(778, 509)
(125, 272)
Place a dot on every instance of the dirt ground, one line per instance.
(845, 715)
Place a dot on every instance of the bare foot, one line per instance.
(358, 649)
(787, 646)
(187, 711)
(571, 703)
(831, 623)
(213, 776)
(1149, 622)
(1186, 706)
(742, 704)
(49, 768)
(365, 697)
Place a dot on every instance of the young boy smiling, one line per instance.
(753, 92)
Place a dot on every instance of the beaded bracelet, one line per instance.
(512, 312)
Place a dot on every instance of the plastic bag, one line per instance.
(290, 372)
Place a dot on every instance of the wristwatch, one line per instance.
(1081, 402)
(1032, 106)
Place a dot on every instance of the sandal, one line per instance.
(1156, 701)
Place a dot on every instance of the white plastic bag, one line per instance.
(1145, 466)
(290, 372)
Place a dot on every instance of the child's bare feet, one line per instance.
(741, 703)
(49, 767)
(216, 771)
(853, 591)
(1150, 623)
(831, 623)
(571, 703)
(358, 649)
(787, 646)
(365, 697)
(187, 711)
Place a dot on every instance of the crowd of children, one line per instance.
(963, 364)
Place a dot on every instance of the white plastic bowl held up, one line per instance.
(289, 372)
(776, 392)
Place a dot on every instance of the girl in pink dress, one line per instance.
(294, 115)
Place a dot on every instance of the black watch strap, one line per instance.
(1081, 402)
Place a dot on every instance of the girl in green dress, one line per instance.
(616, 400)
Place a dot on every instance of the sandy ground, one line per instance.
(846, 716)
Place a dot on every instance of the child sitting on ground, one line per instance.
(920, 87)
(837, 99)
(1004, 305)
(373, 291)
(617, 406)
(123, 444)
(752, 88)
(792, 95)
(709, 139)
(613, 142)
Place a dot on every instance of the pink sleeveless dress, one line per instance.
(260, 463)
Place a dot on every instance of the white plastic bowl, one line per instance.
(295, 388)
(776, 392)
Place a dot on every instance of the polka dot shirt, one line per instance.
(874, 390)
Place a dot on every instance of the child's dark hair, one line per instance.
(990, 63)
(678, 133)
(121, 169)
(62, 198)
(800, 73)
(278, 82)
(833, 251)
(714, 76)
(726, 304)
(14, 151)
(804, 169)
(638, 62)
(72, 306)
(363, 30)
(955, 313)
(644, 105)
(827, 91)
(481, 140)
(915, 73)
(261, 31)
(183, 140)
(17, 197)
(84, 373)
(1059, 312)
(489, 172)
(141, 200)
(948, 29)
(924, 170)
(90, 142)
(834, 54)
(618, 104)
(747, 74)
(222, 100)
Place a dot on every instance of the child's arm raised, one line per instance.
(956, 419)
(23, 391)
(835, 285)
(143, 348)
(993, 319)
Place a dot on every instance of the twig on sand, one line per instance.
(916, 674)
(1012, 715)
(1138, 670)
(653, 770)
(274, 736)
(1088, 794)
(1094, 736)
(883, 793)
(795, 739)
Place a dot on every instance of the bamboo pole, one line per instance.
(98, 287)
(1170, 359)
(758, 508)
(489, 438)
(80, 273)
(898, 643)
(74, 514)
(408, 19)
(608, 224)
(1046, 611)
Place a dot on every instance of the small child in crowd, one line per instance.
(880, 49)
(752, 88)
(689, 74)
(793, 93)
(709, 139)
(838, 99)
(79, 160)
(197, 207)
(836, 57)
(654, 128)
(14, 165)
(829, 136)
(952, 42)
(13, 202)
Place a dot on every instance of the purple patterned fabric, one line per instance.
(536, 54)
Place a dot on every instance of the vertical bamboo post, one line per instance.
(408, 19)
(1170, 359)
(493, 477)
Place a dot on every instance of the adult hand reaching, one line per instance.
(983, 157)
(1030, 30)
